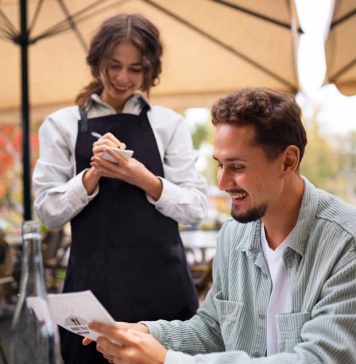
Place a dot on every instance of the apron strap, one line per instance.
(144, 120)
(145, 108)
(83, 122)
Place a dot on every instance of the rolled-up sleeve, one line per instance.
(184, 194)
(59, 193)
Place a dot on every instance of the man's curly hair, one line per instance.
(275, 116)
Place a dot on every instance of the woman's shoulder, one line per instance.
(164, 114)
(65, 113)
(63, 121)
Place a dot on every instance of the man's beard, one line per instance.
(250, 215)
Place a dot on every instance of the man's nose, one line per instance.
(224, 180)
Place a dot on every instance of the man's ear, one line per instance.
(291, 157)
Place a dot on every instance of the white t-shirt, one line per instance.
(280, 300)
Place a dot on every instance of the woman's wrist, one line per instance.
(90, 180)
(153, 186)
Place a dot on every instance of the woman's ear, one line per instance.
(291, 159)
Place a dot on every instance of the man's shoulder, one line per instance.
(334, 211)
(238, 235)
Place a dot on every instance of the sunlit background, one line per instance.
(211, 48)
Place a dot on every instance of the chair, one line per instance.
(4, 281)
(55, 245)
(3, 354)
(202, 278)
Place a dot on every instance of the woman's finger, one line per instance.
(113, 141)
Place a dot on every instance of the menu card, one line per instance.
(74, 311)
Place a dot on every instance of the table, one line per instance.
(203, 241)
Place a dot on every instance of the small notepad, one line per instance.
(127, 154)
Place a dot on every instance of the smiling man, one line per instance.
(285, 267)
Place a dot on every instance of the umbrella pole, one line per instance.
(26, 156)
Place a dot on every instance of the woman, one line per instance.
(124, 216)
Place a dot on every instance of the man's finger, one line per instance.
(87, 341)
(113, 333)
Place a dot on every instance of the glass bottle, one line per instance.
(35, 337)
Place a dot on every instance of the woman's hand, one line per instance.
(130, 346)
(131, 171)
(91, 177)
(107, 140)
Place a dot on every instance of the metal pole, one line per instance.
(26, 156)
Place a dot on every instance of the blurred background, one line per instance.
(212, 47)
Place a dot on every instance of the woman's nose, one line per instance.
(122, 75)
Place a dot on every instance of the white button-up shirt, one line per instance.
(59, 191)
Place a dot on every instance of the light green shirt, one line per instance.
(320, 259)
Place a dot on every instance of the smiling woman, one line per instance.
(122, 76)
(124, 213)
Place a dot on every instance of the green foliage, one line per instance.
(203, 136)
(321, 162)
(347, 146)
(200, 135)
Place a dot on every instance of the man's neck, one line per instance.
(282, 218)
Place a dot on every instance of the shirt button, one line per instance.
(261, 315)
(265, 275)
(256, 354)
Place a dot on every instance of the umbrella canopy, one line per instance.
(341, 47)
(211, 48)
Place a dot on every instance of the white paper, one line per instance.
(39, 307)
(126, 153)
(74, 311)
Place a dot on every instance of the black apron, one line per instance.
(124, 250)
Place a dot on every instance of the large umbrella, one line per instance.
(341, 47)
(211, 47)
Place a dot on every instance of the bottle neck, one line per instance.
(32, 275)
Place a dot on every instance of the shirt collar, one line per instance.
(298, 238)
(133, 105)
(306, 218)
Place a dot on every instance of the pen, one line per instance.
(97, 136)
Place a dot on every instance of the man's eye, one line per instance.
(238, 168)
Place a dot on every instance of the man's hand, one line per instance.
(124, 326)
(130, 346)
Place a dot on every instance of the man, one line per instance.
(284, 280)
